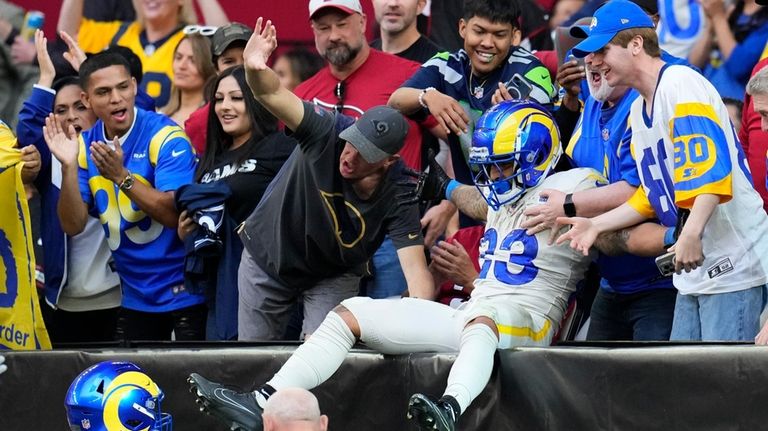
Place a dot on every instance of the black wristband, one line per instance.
(568, 207)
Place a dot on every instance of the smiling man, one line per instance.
(456, 88)
(125, 169)
(687, 158)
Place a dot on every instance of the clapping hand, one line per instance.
(109, 160)
(31, 158)
(47, 71)
(63, 146)
(74, 55)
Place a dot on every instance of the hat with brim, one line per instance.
(610, 19)
(346, 6)
(379, 133)
(228, 34)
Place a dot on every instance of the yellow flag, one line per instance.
(21, 321)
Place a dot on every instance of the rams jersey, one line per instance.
(681, 24)
(688, 147)
(156, 58)
(149, 256)
(514, 263)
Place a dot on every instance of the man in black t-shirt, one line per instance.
(326, 212)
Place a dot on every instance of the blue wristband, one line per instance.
(451, 186)
(669, 237)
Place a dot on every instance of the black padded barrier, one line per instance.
(630, 387)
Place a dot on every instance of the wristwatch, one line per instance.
(127, 182)
(568, 207)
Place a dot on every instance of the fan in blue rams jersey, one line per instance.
(519, 298)
(125, 170)
(456, 88)
(115, 396)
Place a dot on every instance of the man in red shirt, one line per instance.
(357, 78)
(754, 140)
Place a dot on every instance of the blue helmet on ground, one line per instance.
(115, 396)
(516, 144)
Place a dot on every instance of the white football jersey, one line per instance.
(687, 148)
(540, 275)
(681, 24)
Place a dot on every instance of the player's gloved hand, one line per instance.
(430, 186)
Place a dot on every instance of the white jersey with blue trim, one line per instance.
(681, 24)
(513, 263)
(688, 148)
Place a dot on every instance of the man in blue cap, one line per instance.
(689, 161)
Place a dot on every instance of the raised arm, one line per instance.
(70, 16)
(263, 81)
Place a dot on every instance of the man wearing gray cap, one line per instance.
(325, 213)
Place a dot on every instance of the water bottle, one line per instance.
(32, 21)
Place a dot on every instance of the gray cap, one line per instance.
(378, 134)
(227, 34)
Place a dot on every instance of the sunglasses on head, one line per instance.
(203, 30)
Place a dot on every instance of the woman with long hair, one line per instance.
(245, 151)
(192, 69)
(153, 36)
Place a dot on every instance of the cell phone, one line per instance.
(518, 87)
(666, 263)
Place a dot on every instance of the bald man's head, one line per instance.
(293, 409)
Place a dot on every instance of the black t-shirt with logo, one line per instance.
(250, 178)
(311, 224)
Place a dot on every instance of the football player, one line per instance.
(519, 298)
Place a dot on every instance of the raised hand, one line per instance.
(74, 55)
(260, 46)
(64, 147)
(109, 161)
(569, 76)
(47, 71)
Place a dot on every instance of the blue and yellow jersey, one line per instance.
(687, 147)
(95, 36)
(601, 140)
(149, 256)
(7, 138)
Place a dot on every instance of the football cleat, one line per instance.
(238, 409)
(430, 414)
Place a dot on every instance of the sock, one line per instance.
(473, 366)
(318, 358)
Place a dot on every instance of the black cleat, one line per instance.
(238, 409)
(430, 414)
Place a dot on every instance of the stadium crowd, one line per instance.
(196, 184)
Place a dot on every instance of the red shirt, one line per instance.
(755, 141)
(196, 128)
(368, 86)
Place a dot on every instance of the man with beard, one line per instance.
(357, 78)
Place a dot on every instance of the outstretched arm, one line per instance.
(264, 82)
(584, 231)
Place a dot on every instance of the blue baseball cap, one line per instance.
(611, 18)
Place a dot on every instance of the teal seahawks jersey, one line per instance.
(149, 257)
(450, 74)
(601, 141)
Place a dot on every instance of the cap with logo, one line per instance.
(378, 134)
(348, 6)
(227, 34)
(611, 18)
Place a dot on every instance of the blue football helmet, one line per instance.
(518, 136)
(115, 396)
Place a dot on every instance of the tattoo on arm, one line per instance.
(469, 201)
(613, 243)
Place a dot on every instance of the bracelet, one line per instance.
(421, 97)
(451, 187)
